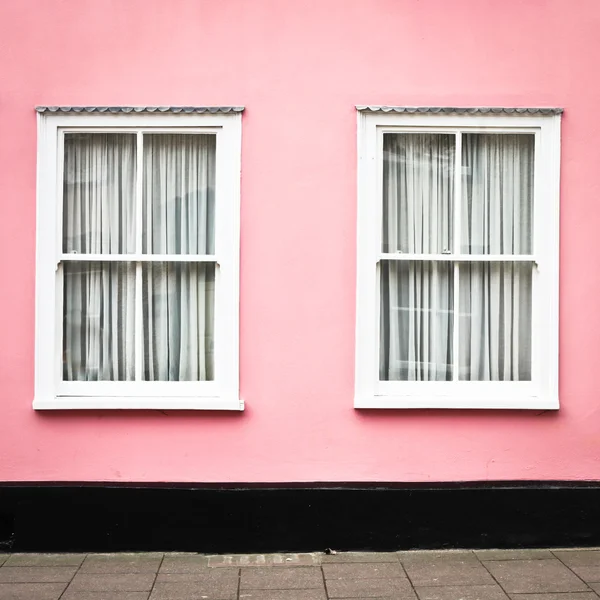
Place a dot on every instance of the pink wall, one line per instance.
(300, 67)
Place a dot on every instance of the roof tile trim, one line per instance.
(460, 110)
(139, 109)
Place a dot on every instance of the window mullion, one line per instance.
(456, 236)
(139, 323)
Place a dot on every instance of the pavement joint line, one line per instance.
(569, 568)
(491, 574)
(156, 575)
(74, 575)
(239, 587)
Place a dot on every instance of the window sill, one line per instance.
(137, 403)
(455, 402)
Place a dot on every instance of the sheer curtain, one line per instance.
(496, 218)
(177, 217)
(416, 297)
(99, 218)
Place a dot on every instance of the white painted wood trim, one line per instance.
(50, 391)
(542, 391)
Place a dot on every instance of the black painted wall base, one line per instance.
(212, 519)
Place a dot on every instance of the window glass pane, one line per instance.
(495, 321)
(179, 194)
(179, 321)
(497, 193)
(418, 192)
(99, 193)
(98, 321)
(416, 321)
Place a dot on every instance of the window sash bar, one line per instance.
(460, 257)
(139, 322)
(138, 258)
(456, 248)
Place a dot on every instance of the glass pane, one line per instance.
(418, 192)
(179, 194)
(497, 193)
(416, 321)
(98, 321)
(99, 193)
(495, 321)
(179, 321)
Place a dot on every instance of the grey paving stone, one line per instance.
(4, 558)
(590, 574)
(190, 591)
(513, 554)
(364, 571)
(557, 596)
(44, 560)
(294, 578)
(283, 595)
(121, 563)
(105, 596)
(595, 587)
(31, 591)
(359, 557)
(476, 592)
(183, 563)
(36, 574)
(114, 582)
(399, 589)
(304, 559)
(202, 573)
(212, 585)
(578, 558)
(447, 573)
(265, 560)
(535, 576)
(418, 557)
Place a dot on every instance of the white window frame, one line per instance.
(542, 391)
(53, 393)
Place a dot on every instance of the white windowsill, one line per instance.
(453, 402)
(137, 403)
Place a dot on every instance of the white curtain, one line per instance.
(416, 308)
(178, 206)
(496, 218)
(416, 297)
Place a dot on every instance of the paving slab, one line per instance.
(43, 560)
(121, 563)
(590, 574)
(191, 591)
(448, 574)
(294, 578)
(283, 595)
(363, 571)
(359, 557)
(578, 558)
(36, 574)
(201, 574)
(535, 576)
(399, 589)
(31, 591)
(475, 592)
(420, 557)
(114, 582)
(557, 596)
(105, 595)
(521, 554)
(183, 563)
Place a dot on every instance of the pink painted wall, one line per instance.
(300, 67)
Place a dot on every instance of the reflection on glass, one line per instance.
(179, 194)
(418, 192)
(99, 193)
(179, 321)
(99, 321)
(416, 321)
(495, 322)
